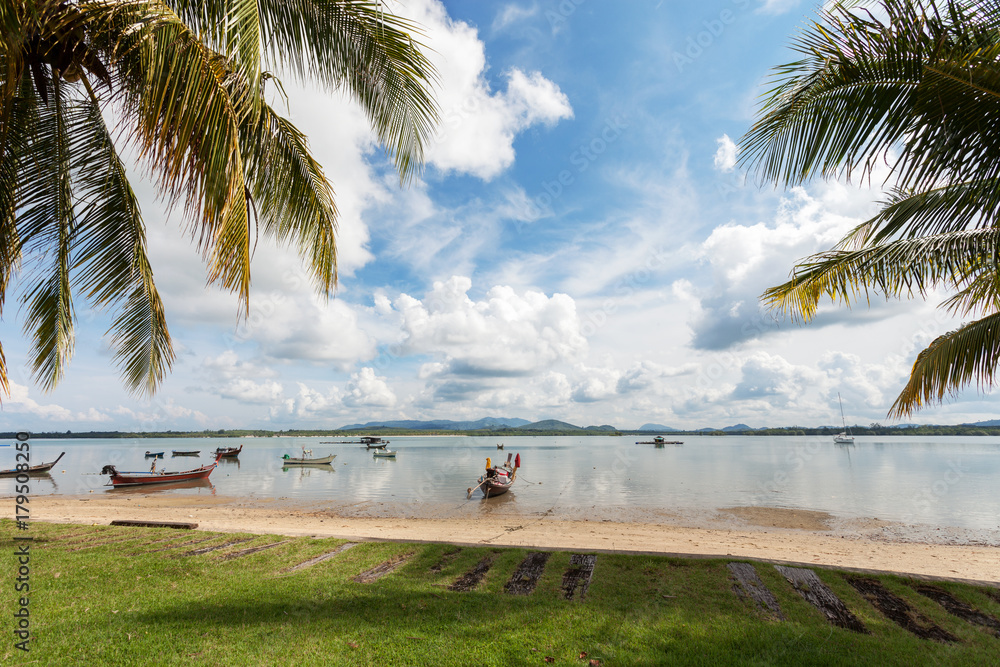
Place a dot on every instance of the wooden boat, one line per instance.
(287, 460)
(498, 479)
(384, 454)
(372, 442)
(39, 469)
(185, 453)
(659, 441)
(155, 477)
(228, 452)
(152, 455)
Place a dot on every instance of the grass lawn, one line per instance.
(123, 596)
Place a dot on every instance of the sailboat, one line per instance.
(844, 437)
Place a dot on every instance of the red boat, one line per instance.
(228, 452)
(498, 479)
(154, 477)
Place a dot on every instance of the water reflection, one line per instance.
(198, 484)
(942, 481)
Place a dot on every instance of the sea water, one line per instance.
(949, 481)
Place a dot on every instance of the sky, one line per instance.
(581, 245)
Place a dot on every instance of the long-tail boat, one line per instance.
(155, 477)
(287, 460)
(497, 480)
(228, 452)
(39, 469)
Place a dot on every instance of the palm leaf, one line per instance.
(904, 268)
(292, 197)
(967, 355)
(46, 225)
(111, 265)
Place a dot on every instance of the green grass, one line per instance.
(98, 601)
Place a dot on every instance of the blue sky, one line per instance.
(580, 246)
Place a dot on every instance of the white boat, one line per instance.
(844, 437)
(289, 460)
(384, 454)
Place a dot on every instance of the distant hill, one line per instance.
(735, 428)
(989, 422)
(657, 427)
(550, 425)
(442, 424)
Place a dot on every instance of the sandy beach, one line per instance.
(786, 535)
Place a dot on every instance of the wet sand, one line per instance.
(776, 534)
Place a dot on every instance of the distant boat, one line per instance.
(228, 452)
(150, 455)
(844, 437)
(291, 460)
(383, 453)
(659, 441)
(39, 469)
(176, 452)
(373, 442)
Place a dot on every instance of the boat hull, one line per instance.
(142, 478)
(228, 452)
(40, 469)
(491, 487)
(305, 462)
(382, 454)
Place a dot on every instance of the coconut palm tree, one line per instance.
(915, 85)
(186, 82)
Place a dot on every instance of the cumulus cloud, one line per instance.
(365, 390)
(725, 154)
(478, 125)
(747, 259)
(505, 334)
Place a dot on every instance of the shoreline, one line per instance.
(769, 534)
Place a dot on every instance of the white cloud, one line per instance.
(506, 334)
(511, 13)
(725, 155)
(365, 389)
(248, 391)
(479, 125)
(775, 7)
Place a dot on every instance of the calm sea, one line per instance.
(938, 481)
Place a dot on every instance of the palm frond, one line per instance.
(904, 268)
(907, 214)
(968, 355)
(373, 54)
(185, 122)
(292, 196)
(111, 266)
(46, 224)
(924, 83)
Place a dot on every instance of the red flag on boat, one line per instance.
(517, 461)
